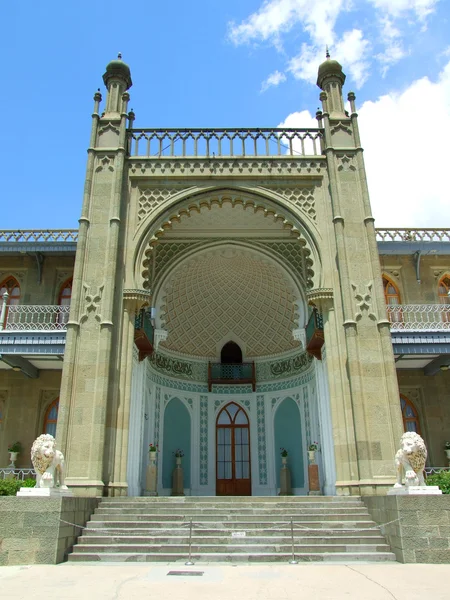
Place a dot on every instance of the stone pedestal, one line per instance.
(314, 483)
(285, 478)
(151, 479)
(415, 490)
(178, 479)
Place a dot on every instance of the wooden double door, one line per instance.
(233, 476)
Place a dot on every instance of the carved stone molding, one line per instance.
(363, 301)
(105, 163)
(214, 166)
(160, 335)
(346, 162)
(92, 302)
(319, 295)
(151, 198)
(302, 198)
(141, 298)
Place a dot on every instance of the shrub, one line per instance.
(442, 479)
(9, 487)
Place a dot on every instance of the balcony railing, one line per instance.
(236, 374)
(143, 333)
(419, 317)
(38, 235)
(314, 334)
(225, 142)
(24, 317)
(413, 235)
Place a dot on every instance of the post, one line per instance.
(292, 561)
(3, 311)
(189, 560)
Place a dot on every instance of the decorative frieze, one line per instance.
(302, 198)
(363, 301)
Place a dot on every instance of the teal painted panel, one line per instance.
(176, 434)
(288, 434)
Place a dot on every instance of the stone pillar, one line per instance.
(92, 360)
(363, 386)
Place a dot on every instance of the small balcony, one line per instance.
(234, 374)
(314, 334)
(22, 317)
(419, 317)
(143, 334)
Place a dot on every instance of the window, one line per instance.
(444, 296)
(64, 297)
(392, 299)
(51, 418)
(409, 414)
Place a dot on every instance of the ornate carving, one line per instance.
(92, 300)
(106, 162)
(150, 198)
(170, 365)
(261, 418)
(206, 166)
(346, 163)
(283, 368)
(48, 463)
(340, 126)
(411, 459)
(303, 198)
(364, 301)
(203, 440)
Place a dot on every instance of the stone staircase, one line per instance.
(326, 528)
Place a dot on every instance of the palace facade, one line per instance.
(226, 294)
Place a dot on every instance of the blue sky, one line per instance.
(240, 63)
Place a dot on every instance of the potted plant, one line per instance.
(178, 455)
(152, 450)
(447, 449)
(312, 451)
(284, 456)
(14, 449)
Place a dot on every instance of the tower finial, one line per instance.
(119, 56)
(327, 52)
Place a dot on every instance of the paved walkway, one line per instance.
(224, 582)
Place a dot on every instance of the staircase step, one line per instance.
(157, 529)
(234, 558)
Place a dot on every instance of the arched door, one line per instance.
(233, 452)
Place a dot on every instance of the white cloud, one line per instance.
(405, 135)
(396, 8)
(405, 139)
(351, 50)
(318, 20)
(279, 16)
(274, 79)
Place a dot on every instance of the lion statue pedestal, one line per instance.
(49, 466)
(410, 460)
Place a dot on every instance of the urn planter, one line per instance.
(13, 457)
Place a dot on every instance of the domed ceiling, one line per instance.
(228, 293)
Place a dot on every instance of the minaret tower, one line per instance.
(365, 404)
(88, 424)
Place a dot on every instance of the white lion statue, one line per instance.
(411, 459)
(47, 462)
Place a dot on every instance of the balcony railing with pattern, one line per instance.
(237, 374)
(22, 317)
(419, 317)
(225, 142)
(412, 235)
(38, 235)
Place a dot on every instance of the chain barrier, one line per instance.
(282, 525)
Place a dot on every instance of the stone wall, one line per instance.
(422, 532)
(32, 531)
(24, 402)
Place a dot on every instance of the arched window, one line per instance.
(231, 354)
(51, 418)
(64, 297)
(444, 296)
(392, 299)
(12, 287)
(409, 414)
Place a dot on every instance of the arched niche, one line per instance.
(176, 434)
(288, 435)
